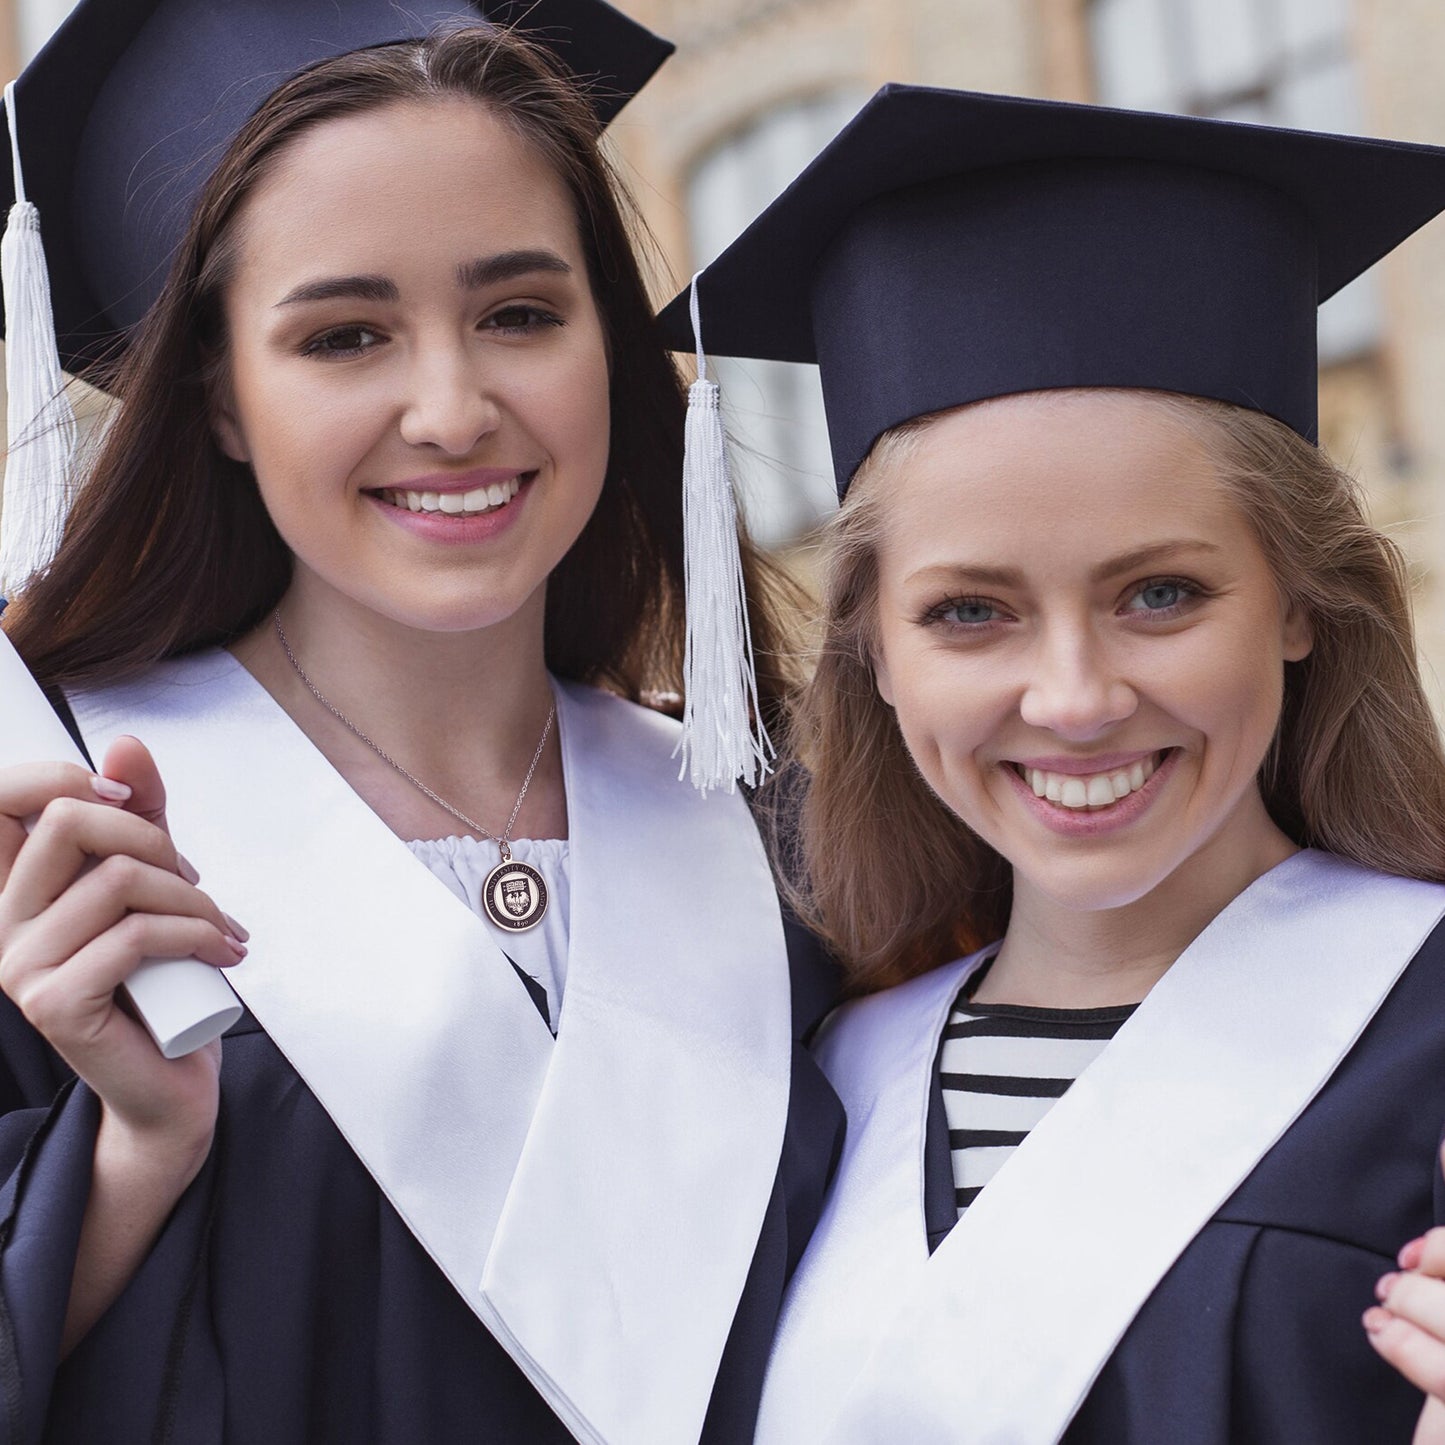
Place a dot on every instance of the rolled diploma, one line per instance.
(183, 1002)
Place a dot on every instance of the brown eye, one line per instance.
(342, 341)
(518, 320)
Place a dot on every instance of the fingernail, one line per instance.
(1411, 1254)
(1375, 1319)
(1384, 1285)
(109, 789)
(187, 869)
(236, 929)
(236, 946)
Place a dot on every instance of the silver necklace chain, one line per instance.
(502, 841)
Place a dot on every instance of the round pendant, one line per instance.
(515, 896)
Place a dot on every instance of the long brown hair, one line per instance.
(898, 884)
(169, 549)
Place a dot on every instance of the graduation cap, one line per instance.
(948, 247)
(126, 112)
(122, 118)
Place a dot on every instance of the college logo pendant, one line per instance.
(514, 896)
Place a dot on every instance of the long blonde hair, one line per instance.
(897, 883)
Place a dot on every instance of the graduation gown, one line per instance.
(423, 1218)
(1183, 1247)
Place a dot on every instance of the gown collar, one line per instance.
(1002, 1331)
(596, 1199)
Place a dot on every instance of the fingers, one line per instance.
(97, 901)
(1427, 1254)
(1431, 1427)
(25, 790)
(74, 1005)
(53, 999)
(1416, 1298)
(68, 834)
(1415, 1353)
(128, 761)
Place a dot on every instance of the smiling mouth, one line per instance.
(456, 504)
(1090, 792)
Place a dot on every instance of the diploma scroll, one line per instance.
(182, 1002)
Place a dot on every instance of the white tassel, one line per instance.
(40, 422)
(723, 737)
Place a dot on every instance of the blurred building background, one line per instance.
(758, 86)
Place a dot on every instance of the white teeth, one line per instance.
(479, 499)
(1092, 790)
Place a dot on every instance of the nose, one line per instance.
(1076, 689)
(449, 403)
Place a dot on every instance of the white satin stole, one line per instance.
(596, 1199)
(997, 1337)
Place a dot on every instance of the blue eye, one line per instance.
(1160, 595)
(967, 616)
(1165, 595)
(970, 611)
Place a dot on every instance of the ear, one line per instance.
(226, 429)
(1299, 633)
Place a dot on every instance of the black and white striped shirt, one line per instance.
(1001, 1067)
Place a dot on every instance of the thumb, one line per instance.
(128, 761)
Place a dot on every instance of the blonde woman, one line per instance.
(1125, 803)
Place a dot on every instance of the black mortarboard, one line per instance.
(947, 247)
(126, 111)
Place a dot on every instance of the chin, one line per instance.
(1094, 885)
(465, 608)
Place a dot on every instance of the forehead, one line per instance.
(408, 181)
(1051, 480)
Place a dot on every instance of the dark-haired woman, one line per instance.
(1122, 777)
(380, 543)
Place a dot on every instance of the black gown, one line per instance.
(1254, 1336)
(286, 1303)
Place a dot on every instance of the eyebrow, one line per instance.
(473, 275)
(1153, 553)
(352, 288)
(508, 266)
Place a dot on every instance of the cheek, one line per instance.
(584, 404)
(947, 707)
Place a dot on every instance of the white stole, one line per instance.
(997, 1338)
(596, 1199)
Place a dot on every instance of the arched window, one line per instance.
(774, 409)
(1274, 62)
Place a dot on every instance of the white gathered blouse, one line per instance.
(463, 864)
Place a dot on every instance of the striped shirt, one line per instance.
(1001, 1067)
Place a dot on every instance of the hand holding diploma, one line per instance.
(88, 892)
(181, 1001)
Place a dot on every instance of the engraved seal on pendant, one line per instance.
(515, 896)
